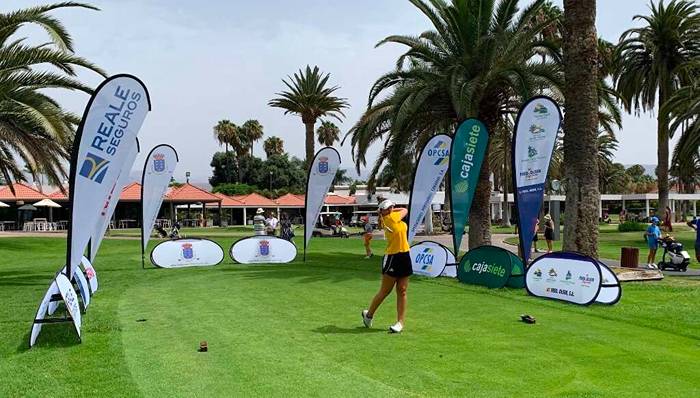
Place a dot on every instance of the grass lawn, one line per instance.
(610, 242)
(294, 330)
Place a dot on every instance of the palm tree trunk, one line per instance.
(662, 149)
(310, 149)
(506, 208)
(581, 127)
(480, 213)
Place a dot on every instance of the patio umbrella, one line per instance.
(27, 207)
(4, 204)
(48, 203)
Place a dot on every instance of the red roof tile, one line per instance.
(333, 199)
(22, 192)
(190, 193)
(58, 195)
(254, 200)
(291, 200)
(227, 201)
(131, 192)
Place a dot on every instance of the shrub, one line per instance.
(631, 226)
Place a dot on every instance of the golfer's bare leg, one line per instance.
(401, 288)
(384, 290)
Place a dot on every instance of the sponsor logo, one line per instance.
(560, 292)
(440, 152)
(538, 273)
(586, 280)
(568, 275)
(94, 168)
(469, 152)
(536, 129)
(552, 272)
(531, 152)
(492, 269)
(187, 251)
(425, 259)
(264, 247)
(531, 174)
(90, 272)
(159, 163)
(323, 165)
(540, 110)
(427, 268)
(462, 186)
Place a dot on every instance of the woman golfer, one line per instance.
(397, 267)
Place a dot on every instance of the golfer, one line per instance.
(396, 269)
(695, 224)
(653, 235)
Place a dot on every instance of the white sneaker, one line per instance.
(654, 266)
(366, 320)
(396, 328)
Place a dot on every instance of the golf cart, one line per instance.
(330, 225)
(674, 256)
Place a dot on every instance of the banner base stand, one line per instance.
(60, 290)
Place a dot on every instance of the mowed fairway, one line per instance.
(294, 330)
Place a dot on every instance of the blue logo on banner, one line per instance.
(529, 200)
(187, 252)
(159, 163)
(323, 165)
(94, 168)
(264, 248)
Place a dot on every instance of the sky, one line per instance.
(205, 61)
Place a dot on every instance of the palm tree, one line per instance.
(683, 110)
(310, 98)
(652, 67)
(34, 129)
(224, 133)
(328, 133)
(273, 146)
(253, 131)
(479, 58)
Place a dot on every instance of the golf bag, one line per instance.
(674, 256)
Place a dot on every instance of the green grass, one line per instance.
(610, 243)
(294, 330)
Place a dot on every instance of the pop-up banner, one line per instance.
(105, 138)
(263, 250)
(157, 171)
(187, 252)
(491, 266)
(59, 286)
(428, 175)
(321, 175)
(429, 258)
(534, 137)
(572, 277)
(466, 156)
(110, 202)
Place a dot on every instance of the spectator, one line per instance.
(271, 224)
(259, 222)
(369, 228)
(548, 232)
(667, 219)
(535, 238)
(695, 224)
(286, 228)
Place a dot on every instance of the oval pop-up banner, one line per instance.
(263, 250)
(187, 252)
(610, 289)
(428, 258)
(488, 266)
(451, 266)
(564, 276)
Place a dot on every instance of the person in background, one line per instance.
(548, 231)
(534, 237)
(259, 222)
(367, 237)
(623, 215)
(286, 228)
(653, 235)
(397, 267)
(668, 220)
(695, 224)
(271, 224)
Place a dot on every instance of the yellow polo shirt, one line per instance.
(395, 231)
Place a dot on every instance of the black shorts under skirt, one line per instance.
(549, 234)
(398, 265)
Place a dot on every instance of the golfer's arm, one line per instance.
(402, 212)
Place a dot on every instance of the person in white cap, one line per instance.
(259, 222)
(397, 267)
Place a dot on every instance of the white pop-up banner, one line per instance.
(61, 285)
(432, 165)
(110, 202)
(105, 138)
(157, 171)
(321, 175)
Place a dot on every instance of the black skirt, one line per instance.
(398, 265)
(549, 234)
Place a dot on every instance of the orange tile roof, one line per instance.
(254, 200)
(58, 195)
(131, 192)
(190, 193)
(291, 200)
(333, 199)
(22, 192)
(227, 201)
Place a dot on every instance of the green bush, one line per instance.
(631, 226)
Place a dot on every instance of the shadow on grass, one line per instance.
(22, 278)
(58, 335)
(332, 329)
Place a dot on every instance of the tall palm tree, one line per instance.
(479, 57)
(224, 133)
(683, 109)
(273, 146)
(311, 98)
(34, 129)
(651, 68)
(580, 47)
(253, 131)
(328, 133)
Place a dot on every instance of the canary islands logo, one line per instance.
(323, 165)
(264, 247)
(94, 168)
(441, 152)
(187, 251)
(159, 163)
